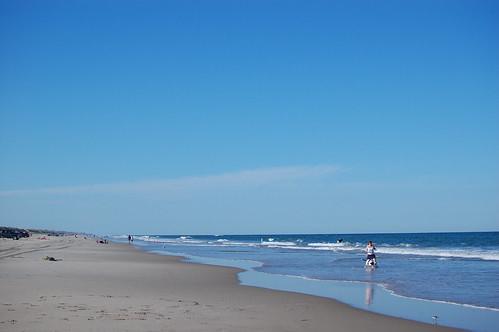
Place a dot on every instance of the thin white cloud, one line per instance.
(260, 176)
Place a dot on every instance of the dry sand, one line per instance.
(114, 287)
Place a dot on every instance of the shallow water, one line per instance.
(461, 268)
(368, 296)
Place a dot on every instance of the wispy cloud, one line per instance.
(260, 176)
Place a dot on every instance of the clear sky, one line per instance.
(213, 117)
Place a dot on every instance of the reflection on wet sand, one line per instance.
(369, 294)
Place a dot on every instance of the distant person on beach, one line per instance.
(129, 238)
(370, 251)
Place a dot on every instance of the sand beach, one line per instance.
(115, 287)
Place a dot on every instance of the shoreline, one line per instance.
(118, 286)
(359, 295)
(199, 260)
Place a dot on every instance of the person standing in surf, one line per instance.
(370, 252)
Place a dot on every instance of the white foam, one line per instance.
(490, 255)
(239, 244)
(399, 249)
(276, 244)
(148, 238)
(328, 244)
(143, 237)
(123, 236)
(326, 248)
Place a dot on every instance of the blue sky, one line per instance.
(249, 116)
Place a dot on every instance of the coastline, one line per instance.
(119, 287)
(358, 294)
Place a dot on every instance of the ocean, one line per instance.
(458, 271)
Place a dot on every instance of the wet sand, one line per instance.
(115, 287)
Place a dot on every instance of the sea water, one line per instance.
(454, 276)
